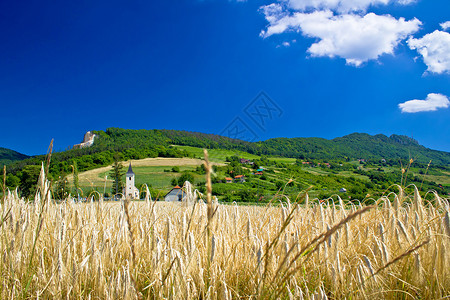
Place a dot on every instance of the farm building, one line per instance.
(240, 178)
(246, 161)
(130, 191)
(176, 194)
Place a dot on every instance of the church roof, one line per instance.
(130, 171)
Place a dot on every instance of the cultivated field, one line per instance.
(154, 250)
(149, 170)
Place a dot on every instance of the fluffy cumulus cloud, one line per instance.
(435, 50)
(431, 103)
(445, 25)
(355, 38)
(341, 6)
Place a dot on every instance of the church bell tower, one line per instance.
(130, 189)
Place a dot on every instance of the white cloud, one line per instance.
(342, 6)
(435, 50)
(431, 103)
(445, 25)
(355, 38)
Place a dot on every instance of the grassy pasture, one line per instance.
(149, 171)
(442, 179)
(351, 174)
(285, 160)
(217, 155)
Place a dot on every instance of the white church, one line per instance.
(130, 191)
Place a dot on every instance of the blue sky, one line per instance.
(329, 68)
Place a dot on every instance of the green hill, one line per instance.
(349, 147)
(357, 146)
(327, 165)
(8, 156)
(138, 144)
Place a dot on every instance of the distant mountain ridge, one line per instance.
(8, 156)
(358, 146)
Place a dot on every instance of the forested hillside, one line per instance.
(135, 144)
(128, 144)
(8, 156)
(356, 146)
(352, 146)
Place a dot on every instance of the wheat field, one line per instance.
(396, 249)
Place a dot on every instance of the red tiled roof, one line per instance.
(228, 178)
(238, 176)
(177, 187)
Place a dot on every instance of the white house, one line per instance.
(176, 194)
(130, 191)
